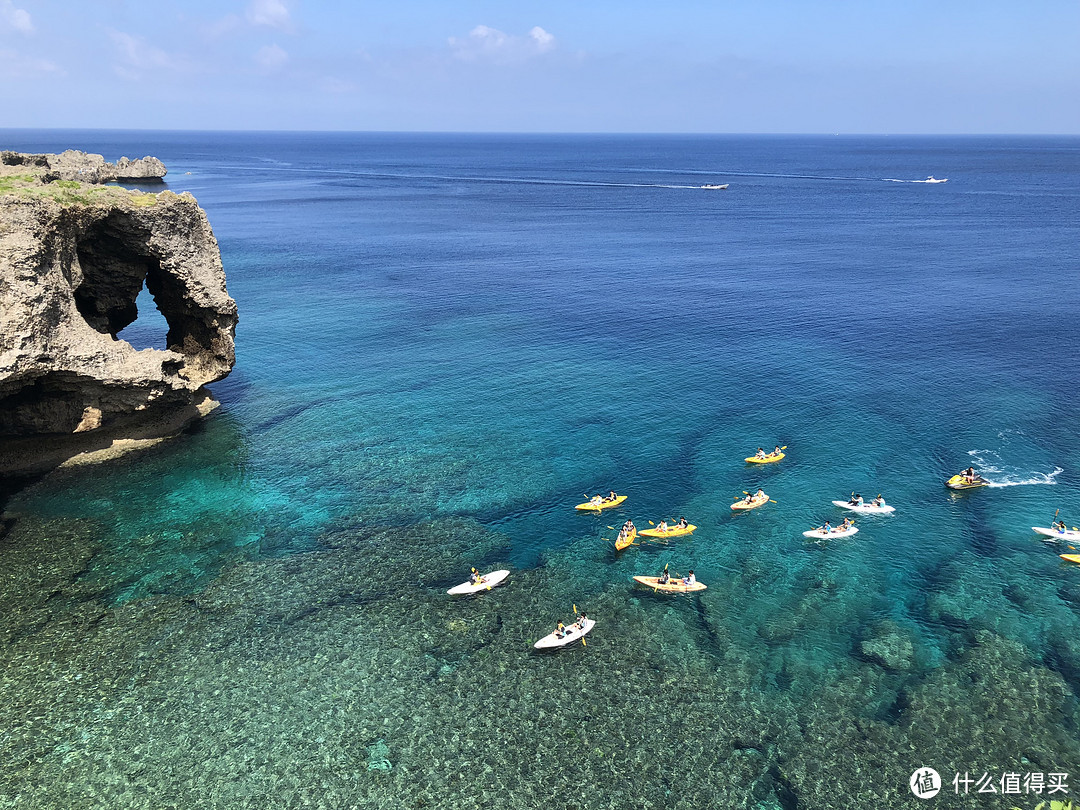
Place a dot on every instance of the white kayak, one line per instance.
(866, 507)
(486, 583)
(818, 533)
(572, 633)
(1068, 534)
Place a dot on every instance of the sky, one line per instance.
(692, 66)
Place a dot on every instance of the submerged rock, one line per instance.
(346, 677)
(73, 260)
(890, 647)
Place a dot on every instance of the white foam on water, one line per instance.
(1035, 478)
(988, 463)
(928, 180)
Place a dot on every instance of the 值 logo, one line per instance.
(925, 783)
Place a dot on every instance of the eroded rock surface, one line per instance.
(89, 168)
(73, 259)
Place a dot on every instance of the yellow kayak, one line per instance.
(672, 531)
(674, 586)
(604, 504)
(754, 504)
(766, 459)
(622, 543)
(959, 482)
(1073, 558)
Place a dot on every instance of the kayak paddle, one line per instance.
(583, 644)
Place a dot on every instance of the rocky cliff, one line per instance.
(73, 259)
(88, 168)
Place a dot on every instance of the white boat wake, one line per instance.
(988, 464)
(930, 179)
(555, 181)
(1036, 478)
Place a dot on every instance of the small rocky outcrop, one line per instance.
(73, 259)
(889, 646)
(89, 168)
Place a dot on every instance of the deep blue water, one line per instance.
(492, 325)
(495, 326)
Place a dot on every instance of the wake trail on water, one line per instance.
(989, 463)
(783, 176)
(583, 183)
(1037, 478)
(458, 178)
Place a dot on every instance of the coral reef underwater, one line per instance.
(345, 677)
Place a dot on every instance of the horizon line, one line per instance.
(607, 133)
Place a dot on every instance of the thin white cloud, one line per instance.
(271, 57)
(336, 86)
(271, 13)
(226, 25)
(14, 65)
(259, 13)
(15, 18)
(490, 44)
(136, 57)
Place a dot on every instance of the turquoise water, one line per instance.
(446, 342)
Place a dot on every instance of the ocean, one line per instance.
(446, 341)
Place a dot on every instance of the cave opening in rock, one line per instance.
(122, 286)
(149, 330)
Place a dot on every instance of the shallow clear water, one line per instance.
(493, 327)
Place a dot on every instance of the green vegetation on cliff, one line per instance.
(70, 192)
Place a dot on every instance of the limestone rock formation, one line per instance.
(73, 259)
(89, 168)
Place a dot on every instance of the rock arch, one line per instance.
(70, 275)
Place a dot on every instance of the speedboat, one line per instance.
(931, 179)
(715, 188)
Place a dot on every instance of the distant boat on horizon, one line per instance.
(715, 188)
(931, 179)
